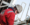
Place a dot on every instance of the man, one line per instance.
(7, 15)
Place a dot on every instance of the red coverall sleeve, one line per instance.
(11, 18)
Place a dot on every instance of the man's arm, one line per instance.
(11, 18)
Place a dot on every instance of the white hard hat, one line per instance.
(19, 8)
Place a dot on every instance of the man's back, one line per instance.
(8, 17)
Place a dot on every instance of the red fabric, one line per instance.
(10, 17)
(1, 19)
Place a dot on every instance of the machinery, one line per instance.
(5, 4)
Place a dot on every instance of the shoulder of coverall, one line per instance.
(7, 11)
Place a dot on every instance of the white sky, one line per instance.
(26, 8)
(20, 1)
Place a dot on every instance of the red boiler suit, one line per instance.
(8, 17)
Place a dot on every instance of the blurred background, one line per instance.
(23, 18)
